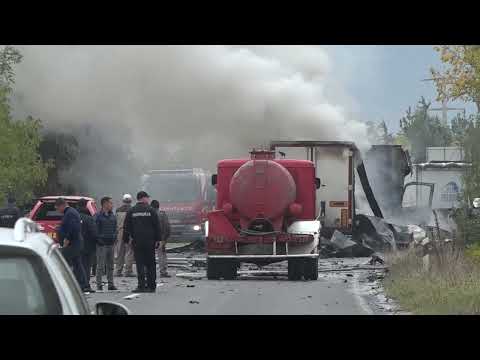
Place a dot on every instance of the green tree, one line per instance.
(378, 133)
(471, 147)
(60, 151)
(423, 130)
(21, 166)
(9, 57)
(460, 77)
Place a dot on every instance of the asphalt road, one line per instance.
(336, 292)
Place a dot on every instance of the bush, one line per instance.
(450, 287)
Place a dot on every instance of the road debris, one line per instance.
(194, 302)
(341, 245)
(197, 245)
(191, 275)
(376, 259)
(131, 297)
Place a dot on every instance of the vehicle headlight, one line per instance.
(196, 227)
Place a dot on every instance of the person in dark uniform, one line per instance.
(142, 225)
(71, 240)
(10, 214)
(89, 234)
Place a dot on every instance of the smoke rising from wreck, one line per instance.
(177, 106)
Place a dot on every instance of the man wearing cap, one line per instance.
(123, 251)
(9, 214)
(142, 226)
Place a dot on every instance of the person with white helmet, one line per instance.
(123, 251)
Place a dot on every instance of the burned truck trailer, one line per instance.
(335, 163)
(338, 166)
(265, 213)
(387, 167)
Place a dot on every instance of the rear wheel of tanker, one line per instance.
(229, 270)
(311, 268)
(213, 269)
(295, 269)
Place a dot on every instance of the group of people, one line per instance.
(131, 234)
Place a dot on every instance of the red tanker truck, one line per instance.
(265, 213)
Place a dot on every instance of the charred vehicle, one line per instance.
(265, 213)
(186, 196)
(346, 205)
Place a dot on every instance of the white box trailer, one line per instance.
(335, 164)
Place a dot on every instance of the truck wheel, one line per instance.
(213, 269)
(311, 269)
(295, 269)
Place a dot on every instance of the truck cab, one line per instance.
(185, 196)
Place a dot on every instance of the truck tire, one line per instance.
(229, 270)
(295, 269)
(213, 269)
(311, 269)
(218, 268)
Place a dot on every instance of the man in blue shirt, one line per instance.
(70, 238)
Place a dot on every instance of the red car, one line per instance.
(44, 212)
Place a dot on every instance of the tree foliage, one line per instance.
(460, 79)
(60, 150)
(21, 166)
(471, 147)
(9, 57)
(378, 133)
(423, 130)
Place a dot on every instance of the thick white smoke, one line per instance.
(192, 104)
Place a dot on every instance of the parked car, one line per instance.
(35, 279)
(44, 213)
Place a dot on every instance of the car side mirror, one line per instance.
(111, 308)
(317, 183)
(214, 179)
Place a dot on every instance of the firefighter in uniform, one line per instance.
(142, 226)
(10, 214)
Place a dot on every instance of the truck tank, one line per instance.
(262, 190)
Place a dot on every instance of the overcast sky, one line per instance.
(384, 80)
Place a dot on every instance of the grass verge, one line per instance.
(452, 286)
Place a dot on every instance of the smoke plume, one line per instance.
(166, 106)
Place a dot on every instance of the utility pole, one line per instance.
(444, 108)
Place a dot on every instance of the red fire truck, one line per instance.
(186, 196)
(265, 213)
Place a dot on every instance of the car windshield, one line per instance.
(47, 212)
(172, 188)
(26, 287)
